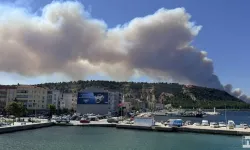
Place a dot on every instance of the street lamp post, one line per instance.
(225, 115)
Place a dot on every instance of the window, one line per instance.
(30, 105)
(42, 106)
(42, 101)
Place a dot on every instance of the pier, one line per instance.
(158, 127)
(22, 127)
(161, 128)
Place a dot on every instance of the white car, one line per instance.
(231, 124)
(197, 124)
(222, 124)
(214, 125)
(245, 126)
(62, 120)
(204, 123)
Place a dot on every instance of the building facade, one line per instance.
(68, 101)
(53, 98)
(7, 94)
(98, 101)
(33, 97)
(56, 98)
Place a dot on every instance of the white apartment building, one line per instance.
(33, 97)
(68, 101)
(56, 98)
(53, 97)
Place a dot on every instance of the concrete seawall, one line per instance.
(125, 126)
(160, 128)
(88, 125)
(24, 127)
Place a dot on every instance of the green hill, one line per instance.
(167, 93)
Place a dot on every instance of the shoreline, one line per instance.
(156, 128)
(9, 129)
(160, 128)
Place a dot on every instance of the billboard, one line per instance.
(92, 98)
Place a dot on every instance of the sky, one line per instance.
(224, 35)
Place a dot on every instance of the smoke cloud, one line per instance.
(237, 93)
(66, 39)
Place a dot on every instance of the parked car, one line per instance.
(93, 118)
(175, 122)
(197, 124)
(243, 125)
(231, 124)
(62, 120)
(84, 121)
(204, 123)
(222, 124)
(112, 120)
(188, 122)
(214, 125)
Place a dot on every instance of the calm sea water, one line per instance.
(98, 138)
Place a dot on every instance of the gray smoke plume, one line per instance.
(237, 93)
(68, 40)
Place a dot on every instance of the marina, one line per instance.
(147, 121)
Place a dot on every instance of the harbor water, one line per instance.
(100, 138)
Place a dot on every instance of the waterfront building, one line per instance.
(98, 101)
(68, 101)
(7, 94)
(33, 97)
(53, 97)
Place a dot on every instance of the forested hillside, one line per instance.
(187, 96)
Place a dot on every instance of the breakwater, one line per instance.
(161, 128)
(157, 128)
(9, 129)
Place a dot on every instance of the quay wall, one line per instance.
(237, 132)
(24, 127)
(166, 129)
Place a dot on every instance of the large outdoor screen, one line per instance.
(92, 98)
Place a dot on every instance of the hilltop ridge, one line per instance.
(187, 96)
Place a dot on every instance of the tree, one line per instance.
(16, 108)
(72, 110)
(65, 111)
(52, 109)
